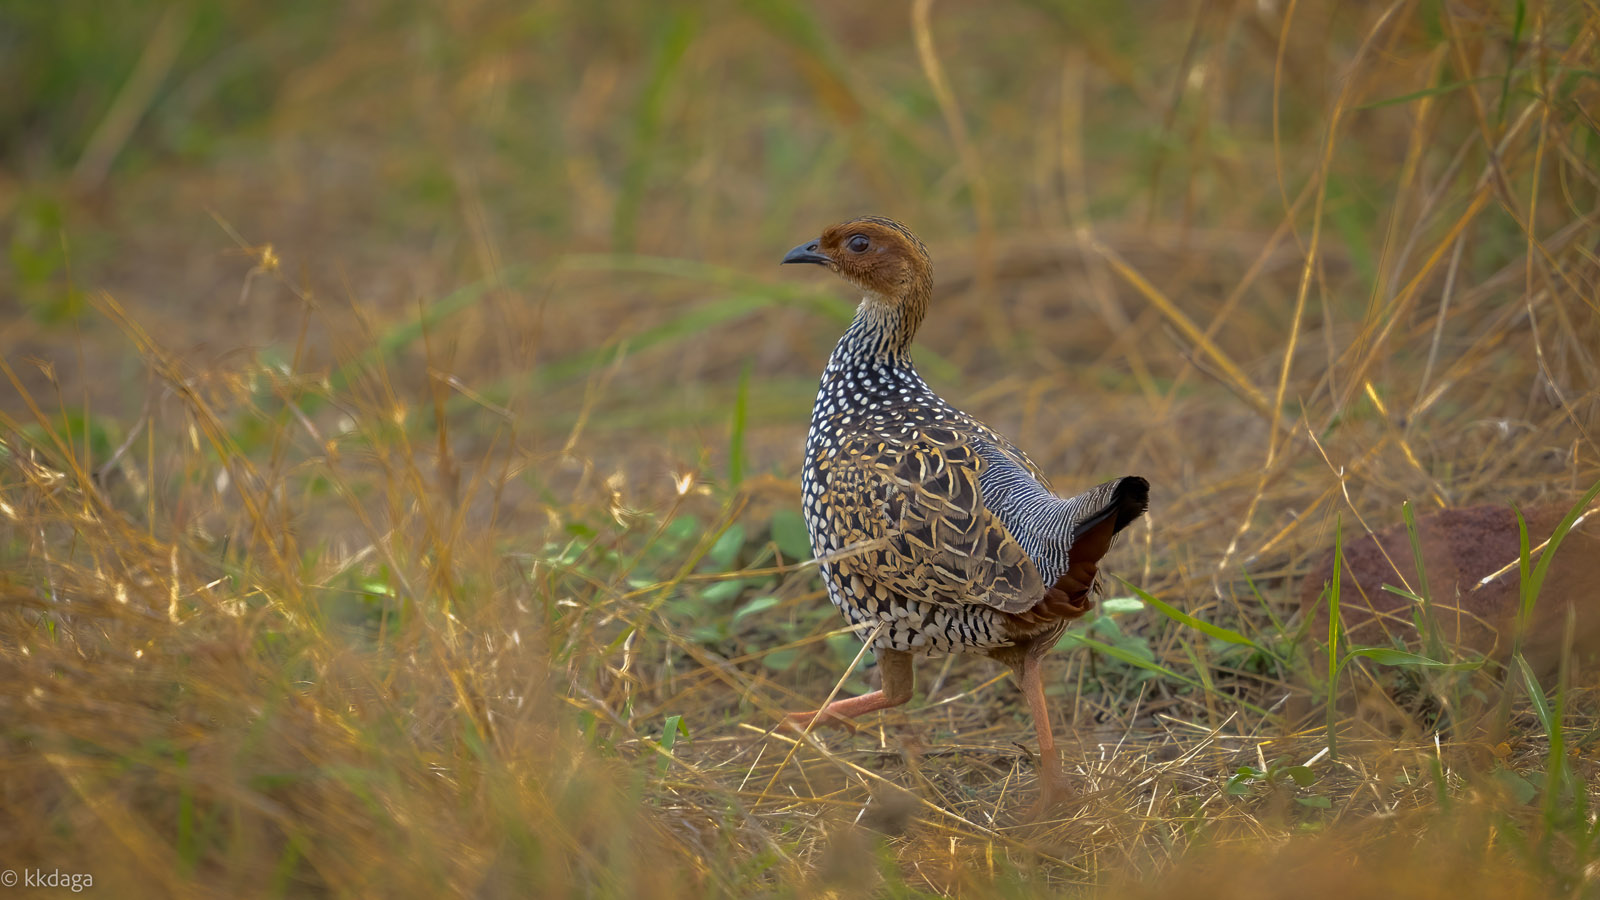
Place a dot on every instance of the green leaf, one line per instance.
(1239, 783)
(843, 646)
(789, 533)
(1522, 790)
(681, 530)
(781, 660)
(376, 586)
(723, 553)
(1113, 634)
(1114, 606)
(718, 591)
(709, 632)
(1301, 775)
(1315, 802)
(674, 727)
(759, 604)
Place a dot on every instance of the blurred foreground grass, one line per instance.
(398, 454)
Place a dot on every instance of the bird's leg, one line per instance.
(1053, 787)
(898, 681)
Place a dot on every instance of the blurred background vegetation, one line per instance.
(403, 413)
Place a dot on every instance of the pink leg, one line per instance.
(1053, 787)
(898, 682)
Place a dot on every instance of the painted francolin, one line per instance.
(935, 534)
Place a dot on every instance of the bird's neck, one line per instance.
(882, 331)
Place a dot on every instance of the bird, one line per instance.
(934, 534)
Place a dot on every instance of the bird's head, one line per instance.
(878, 255)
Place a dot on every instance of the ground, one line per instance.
(401, 429)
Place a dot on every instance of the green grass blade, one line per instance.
(671, 48)
(1558, 780)
(1133, 659)
(1334, 623)
(1430, 627)
(1536, 583)
(1213, 630)
(1511, 59)
(741, 415)
(1389, 656)
(1424, 93)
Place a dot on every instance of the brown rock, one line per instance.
(1461, 548)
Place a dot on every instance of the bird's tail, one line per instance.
(1100, 513)
(1118, 501)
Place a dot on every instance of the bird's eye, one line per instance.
(858, 243)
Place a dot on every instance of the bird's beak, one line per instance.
(807, 253)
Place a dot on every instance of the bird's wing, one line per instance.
(1010, 451)
(1022, 459)
(916, 508)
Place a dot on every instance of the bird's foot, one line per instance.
(1056, 794)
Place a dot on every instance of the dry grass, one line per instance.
(398, 459)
